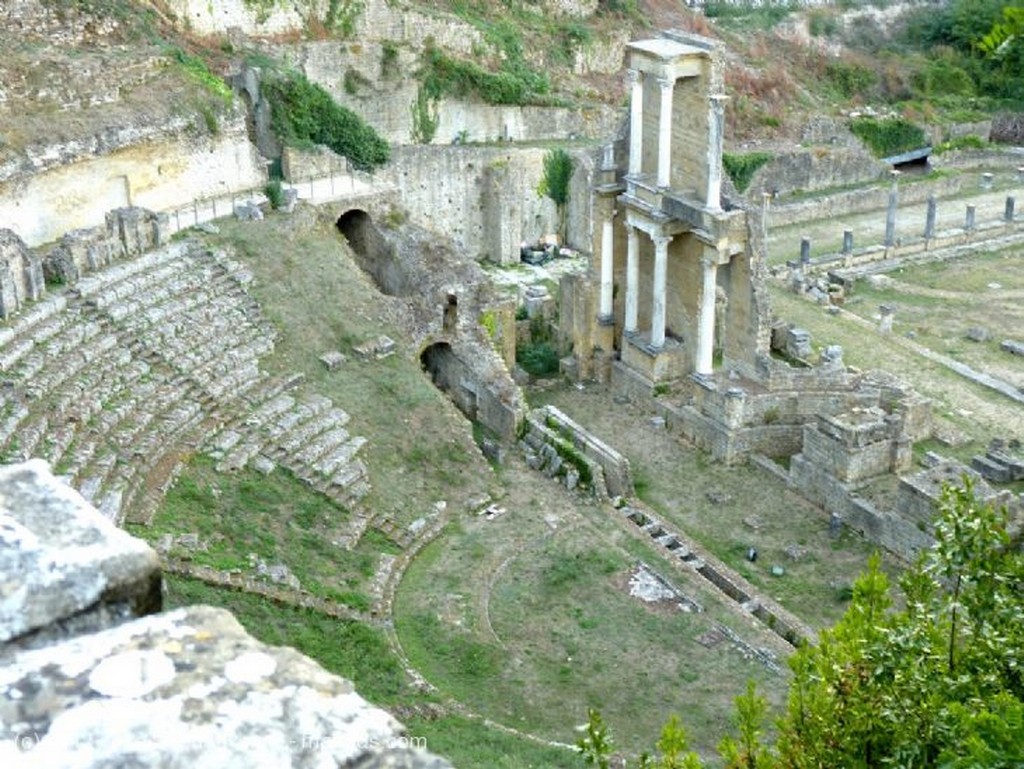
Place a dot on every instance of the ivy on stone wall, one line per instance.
(303, 114)
(515, 83)
(425, 117)
(888, 137)
(742, 167)
(340, 18)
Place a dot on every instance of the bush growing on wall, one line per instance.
(888, 137)
(514, 84)
(742, 167)
(304, 114)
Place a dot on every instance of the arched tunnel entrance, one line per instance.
(374, 252)
(450, 375)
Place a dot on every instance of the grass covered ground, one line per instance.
(520, 623)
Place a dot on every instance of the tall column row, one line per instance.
(706, 318)
(636, 125)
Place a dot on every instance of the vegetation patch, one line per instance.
(742, 167)
(350, 649)
(888, 137)
(303, 114)
(515, 83)
(236, 519)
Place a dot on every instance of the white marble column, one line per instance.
(636, 120)
(716, 130)
(706, 318)
(632, 276)
(658, 298)
(665, 131)
(605, 314)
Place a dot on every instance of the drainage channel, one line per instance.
(679, 548)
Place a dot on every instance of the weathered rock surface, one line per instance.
(184, 689)
(187, 688)
(61, 560)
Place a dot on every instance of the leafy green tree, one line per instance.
(555, 183)
(747, 751)
(596, 745)
(937, 683)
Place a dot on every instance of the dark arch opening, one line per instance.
(375, 254)
(448, 374)
(354, 226)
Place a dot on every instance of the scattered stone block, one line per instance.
(977, 334)
(332, 359)
(778, 571)
(248, 212)
(795, 552)
(263, 465)
(380, 347)
(493, 450)
(1012, 346)
(278, 573)
(754, 522)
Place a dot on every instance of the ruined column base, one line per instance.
(658, 365)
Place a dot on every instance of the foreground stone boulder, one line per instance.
(87, 682)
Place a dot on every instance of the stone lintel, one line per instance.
(608, 190)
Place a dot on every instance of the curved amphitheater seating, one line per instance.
(119, 378)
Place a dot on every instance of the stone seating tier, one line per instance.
(134, 366)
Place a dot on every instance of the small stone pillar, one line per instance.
(667, 86)
(1008, 211)
(658, 300)
(636, 120)
(847, 242)
(1020, 174)
(969, 219)
(986, 180)
(805, 250)
(929, 222)
(890, 214)
(886, 314)
(632, 277)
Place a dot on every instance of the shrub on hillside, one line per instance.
(888, 137)
(741, 168)
(304, 114)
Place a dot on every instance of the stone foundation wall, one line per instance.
(847, 463)
(160, 174)
(893, 532)
(485, 198)
(617, 477)
(815, 169)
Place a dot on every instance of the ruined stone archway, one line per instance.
(374, 252)
(450, 375)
